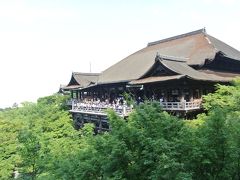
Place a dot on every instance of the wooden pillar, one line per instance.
(165, 95)
(144, 92)
(83, 95)
(100, 92)
(200, 92)
(100, 124)
(108, 93)
(191, 94)
(181, 95)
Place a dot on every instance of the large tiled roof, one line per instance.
(195, 47)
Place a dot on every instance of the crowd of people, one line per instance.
(116, 104)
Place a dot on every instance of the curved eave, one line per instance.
(159, 79)
(156, 79)
(72, 87)
(219, 79)
(113, 82)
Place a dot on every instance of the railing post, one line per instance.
(72, 105)
(184, 105)
(124, 110)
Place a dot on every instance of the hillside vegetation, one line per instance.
(38, 141)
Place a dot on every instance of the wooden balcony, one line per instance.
(123, 111)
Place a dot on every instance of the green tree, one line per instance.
(31, 155)
(8, 148)
(149, 145)
(216, 148)
(49, 135)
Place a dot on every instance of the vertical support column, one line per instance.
(80, 95)
(165, 98)
(108, 93)
(144, 92)
(72, 104)
(83, 96)
(191, 94)
(181, 95)
(100, 124)
(200, 92)
(124, 111)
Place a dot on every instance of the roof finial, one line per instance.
(90, 66)
(204, 30)
(157, 56)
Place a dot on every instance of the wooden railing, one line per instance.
(181, 106)
(99, 110)
(72, 101)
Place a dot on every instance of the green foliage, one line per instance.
(216, 149)
(39, 141)
(129, 99)
(8, 147)
(87, 130)
(225, 97)
(150, 145)
(31, 155)
(34, 135)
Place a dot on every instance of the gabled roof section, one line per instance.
(181, 70)
(82, 80)
(225, 49)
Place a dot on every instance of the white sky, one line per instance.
(42, 42)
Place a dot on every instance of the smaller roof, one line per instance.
(82, 80)
(72, 87)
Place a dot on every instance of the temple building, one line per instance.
(176, 72)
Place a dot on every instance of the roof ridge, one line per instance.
(199, 31)
(87, 74)
(171, 58)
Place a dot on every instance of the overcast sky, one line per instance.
(43, 42)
